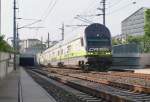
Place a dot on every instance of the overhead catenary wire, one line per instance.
(115, 4)
(89, 6)
(49, 6)
(46, 13)
(121, 8)
(87, 9)
(50, 10)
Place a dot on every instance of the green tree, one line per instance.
(146, 38)
(4, 46)
(114, 42)
(146, 43)
(118, 42)
(135, 39)
(147, 23)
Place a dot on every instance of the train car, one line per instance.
(92, 48)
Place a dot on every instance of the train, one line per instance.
(92, 49)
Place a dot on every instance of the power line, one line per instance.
(119, 9)
(79, 17)
(49, 5)
(90, 5)
(116, 3)
(50, 10)
(27, 25)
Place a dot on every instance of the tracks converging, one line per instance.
(60, 91)
(101, 86)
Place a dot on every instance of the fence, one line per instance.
(130, 55)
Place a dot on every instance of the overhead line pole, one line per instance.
(14, 34)
(17, 38)
(62, 31)
(48, 40)
(104, 9)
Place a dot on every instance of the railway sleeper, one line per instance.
(133, 88)
(114, 96)
(67, 91)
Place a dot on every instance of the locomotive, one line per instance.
(91, 49)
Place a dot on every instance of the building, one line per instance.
(29, 43)
(134, 24)
(31, 46)
(28, 50)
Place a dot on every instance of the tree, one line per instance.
(146, 38)
(118, 42)
(4, 46)
(115, 42)
(147, 23)
(135, 39)
(146, 44)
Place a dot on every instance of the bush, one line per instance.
(4, 46)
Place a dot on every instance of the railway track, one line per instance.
(120, 80)
(60, 91)
(97, 89)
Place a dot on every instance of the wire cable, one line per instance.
(121, 8)
(49, 6)
(50, 10)
(116, 3)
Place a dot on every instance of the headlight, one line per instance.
(90, 53)
(108, 53)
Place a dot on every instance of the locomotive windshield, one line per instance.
(97, 36)
(97, 42)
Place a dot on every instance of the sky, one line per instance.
(53, 13)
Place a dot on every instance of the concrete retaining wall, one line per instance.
(145, 59)
(6, 64)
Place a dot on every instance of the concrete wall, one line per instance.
(145, 59)
(6, 64)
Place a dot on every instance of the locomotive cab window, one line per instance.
(97, 42)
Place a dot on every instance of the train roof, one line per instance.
(97, 29)
(62, 43)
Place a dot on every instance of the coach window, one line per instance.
(82, 43)
(61, 51)
(58, 53)
(68, 48)
(53, 53)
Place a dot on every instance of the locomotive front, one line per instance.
(98, 45)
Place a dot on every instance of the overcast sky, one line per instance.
(54, 12)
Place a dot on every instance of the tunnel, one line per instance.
(26, 61)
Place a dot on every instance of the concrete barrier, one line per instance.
(6, 64)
